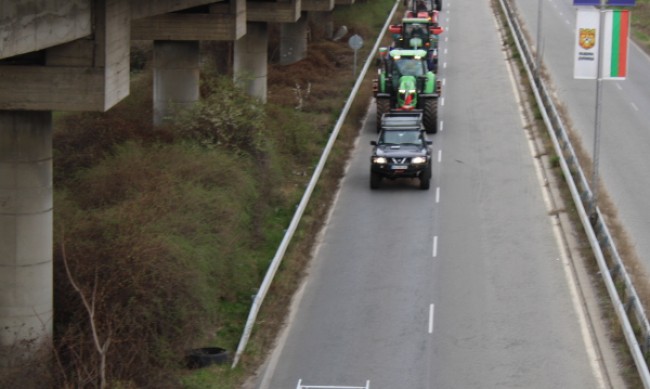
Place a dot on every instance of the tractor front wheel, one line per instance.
(383, 106)
(430, 116)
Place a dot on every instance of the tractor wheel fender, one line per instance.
(430, 84)
(382, 82)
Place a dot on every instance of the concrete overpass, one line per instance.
(73, 55)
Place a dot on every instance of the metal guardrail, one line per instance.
(626, 303)
(279, 255)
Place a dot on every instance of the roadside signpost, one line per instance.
(355, 42)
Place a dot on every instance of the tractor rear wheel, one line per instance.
(383, 106)
(430, 116)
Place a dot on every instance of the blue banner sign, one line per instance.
(621, 3)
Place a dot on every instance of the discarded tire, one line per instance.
(205, 356)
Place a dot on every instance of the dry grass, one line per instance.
(641, 23)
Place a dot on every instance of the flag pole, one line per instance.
(593, 206)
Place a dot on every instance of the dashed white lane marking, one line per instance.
(435, 246)
(439, 155)
(432, 309)
(437, 195)
(634, 106)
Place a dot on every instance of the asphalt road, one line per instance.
(461, 286)
(625, 116)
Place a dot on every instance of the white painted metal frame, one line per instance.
(301, 386)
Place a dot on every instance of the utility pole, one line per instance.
(538, 53)
(593, 205)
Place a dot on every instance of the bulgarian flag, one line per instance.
(615, 44)
(615, 36)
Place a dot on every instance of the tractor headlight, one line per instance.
(418, 160)
(379, 160)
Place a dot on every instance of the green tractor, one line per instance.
(418, 33)
(406, 84)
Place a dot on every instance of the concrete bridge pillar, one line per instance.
(251, 60)
(322, 24)
(26, 285)
(293, 40)
(176, 77)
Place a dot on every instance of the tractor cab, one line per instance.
(407, 63)
(408, 72)
(418, 33)
(415, 33)
(424, 8)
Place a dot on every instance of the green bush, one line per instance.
(171, 232)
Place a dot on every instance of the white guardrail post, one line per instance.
(596, 230)
(279, 255)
